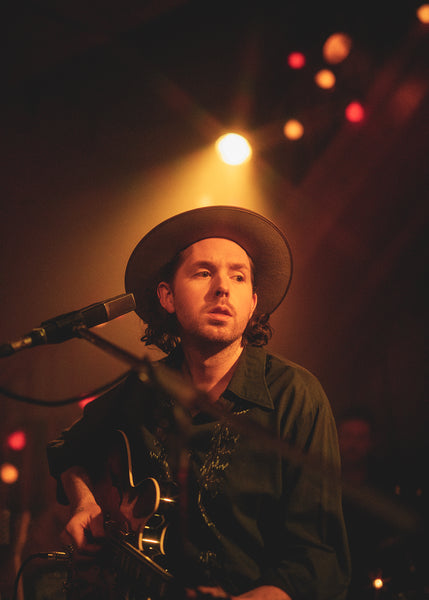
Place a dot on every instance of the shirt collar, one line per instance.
(248, 382)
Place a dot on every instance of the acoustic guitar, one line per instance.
(133, 563)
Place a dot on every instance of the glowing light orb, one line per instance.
(8, 473)
(296, 60)
(355, 112)
(293, 129)
(17, 440)
(233, 149)
(423, 14)
(325, 79)
(337, 48)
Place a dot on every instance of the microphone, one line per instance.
(62, 328)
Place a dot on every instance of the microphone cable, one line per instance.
(71, 400)
(59, 556)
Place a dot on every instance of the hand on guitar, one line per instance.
(264, 592)
(86, 524)
(85, 527)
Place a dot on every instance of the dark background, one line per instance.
(106, 108)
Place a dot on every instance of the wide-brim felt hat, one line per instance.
(263, 241)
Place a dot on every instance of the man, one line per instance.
(255, 524)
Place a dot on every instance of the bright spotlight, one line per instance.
(233, 149)
(377, 583)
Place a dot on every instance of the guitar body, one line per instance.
(133, 564)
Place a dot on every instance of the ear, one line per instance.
(255, 302)
(166, 296)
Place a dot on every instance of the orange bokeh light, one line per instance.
(325, 79)
(337, 48)
(8, 473)
(293, 129)
(423, 13)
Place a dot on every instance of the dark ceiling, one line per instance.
(149, 67)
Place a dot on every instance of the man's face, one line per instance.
(212, 292)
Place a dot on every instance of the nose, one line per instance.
(221, 284)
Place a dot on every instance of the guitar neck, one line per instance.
(136, 572)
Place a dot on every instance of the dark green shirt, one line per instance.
(255, 513)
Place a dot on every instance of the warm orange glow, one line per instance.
(337, 48)
(377, 583)
(233, 149)
(8, 473)
(355, 112)
(296, 60)
(325, 79)
(423, 13)
(17, 440)
(293, 129)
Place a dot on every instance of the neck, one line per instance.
(211, 370)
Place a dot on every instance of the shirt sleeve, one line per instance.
(84, 443)
(312, 560)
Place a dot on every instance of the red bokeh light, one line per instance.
(85, 401)
(355, 112)
(296, 60)
(17, 440)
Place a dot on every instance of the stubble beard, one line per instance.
(215, 336)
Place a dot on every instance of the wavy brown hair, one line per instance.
(162, 328)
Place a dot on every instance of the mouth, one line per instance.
(220, 310)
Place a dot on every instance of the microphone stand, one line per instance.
(178, 443)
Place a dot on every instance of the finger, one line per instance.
(216, 592)
(96, 527)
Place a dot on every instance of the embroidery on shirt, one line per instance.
(217, 461)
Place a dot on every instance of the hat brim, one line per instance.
(263, 241)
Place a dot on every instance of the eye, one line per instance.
(203, 274)
(239, 277)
